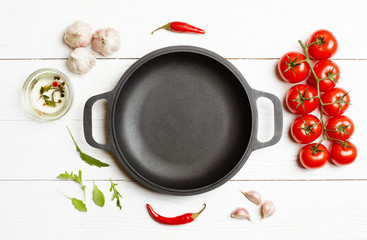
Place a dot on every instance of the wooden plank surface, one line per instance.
(235, 28)
(304, 210)
(327, 203)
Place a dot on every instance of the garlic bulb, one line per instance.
(81, 60)
(106, 41)
(79, 34)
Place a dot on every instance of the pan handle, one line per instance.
(278, 120)
(87, 122)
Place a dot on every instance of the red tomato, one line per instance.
(340, 127)
(290, 70)
(343, 154)
(306, 129)
(337, 101)
(312, 156)
(325, 69)
(325, 45)
(299, 99)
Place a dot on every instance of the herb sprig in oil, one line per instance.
(47, 92)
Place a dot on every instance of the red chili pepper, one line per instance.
(55, 84)
(182, 219)
(181, 27)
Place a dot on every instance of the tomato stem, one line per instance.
(305, 49)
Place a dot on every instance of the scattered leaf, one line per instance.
(78, 204)
(116, 194)
(87, 158)
(98, 196)
(74, 177)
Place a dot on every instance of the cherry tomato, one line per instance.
(290, 70)
(325, 45)
(312, 156)
(340, 127)
(300, 99)
(325, 69)
(306, 129)
(343, 154)
(337, 101)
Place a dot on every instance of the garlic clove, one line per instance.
(240, 213)
(106, 41)
(253, 196)
(79, 34)
(267, 209)
(81, 60)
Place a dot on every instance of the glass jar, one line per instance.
(47, 94)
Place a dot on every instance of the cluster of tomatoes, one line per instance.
(319, 91)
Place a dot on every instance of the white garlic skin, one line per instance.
(81, 60)
(78, 34)
(106, 41)
(267, 209)
(240, 213)
(253, 196)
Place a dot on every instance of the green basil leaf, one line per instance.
(98, 196)
(79, 204)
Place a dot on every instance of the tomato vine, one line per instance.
(322, 104)
(320, 91)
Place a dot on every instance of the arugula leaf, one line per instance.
(116, 194)
(87, 158)
(92, 161)
(79, 204)
(98, 196)
(74, 177)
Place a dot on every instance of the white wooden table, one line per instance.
(328, 203)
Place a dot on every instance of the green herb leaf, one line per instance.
(45, 89)
(98, 196)
(79, 204)
(116, 194)
(74, 177)
(45, 97)
(92, 161)
(87, 158)
(50, 103)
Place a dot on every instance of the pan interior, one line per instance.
(182, 121)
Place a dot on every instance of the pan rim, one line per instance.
(125, 77)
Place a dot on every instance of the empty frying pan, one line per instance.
(182, 120)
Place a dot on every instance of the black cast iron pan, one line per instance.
(182, 120)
